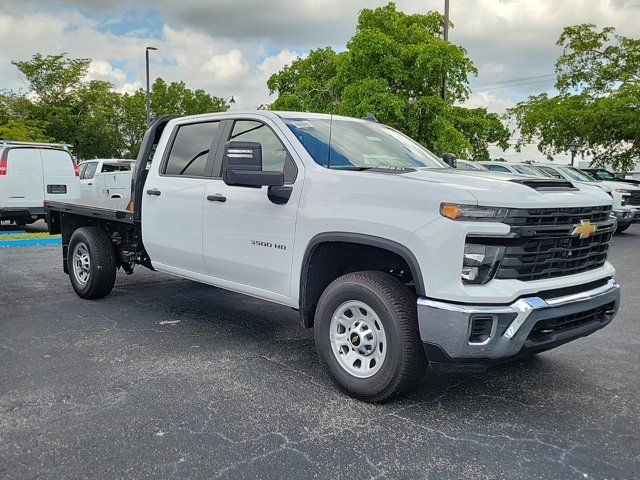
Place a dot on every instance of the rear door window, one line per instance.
(190, 150)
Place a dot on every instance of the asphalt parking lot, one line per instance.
(169, 378)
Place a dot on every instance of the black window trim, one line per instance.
(226, 134)
(215, 143)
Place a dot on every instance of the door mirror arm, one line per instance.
(279, 194)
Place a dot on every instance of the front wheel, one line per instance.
(92, 262)
(366, 334)
(621, 229)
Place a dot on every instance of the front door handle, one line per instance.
(217, 198)
(153, 192)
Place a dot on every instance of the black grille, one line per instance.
(633, 200)
(557, 216)
(544, 329)
(542, 244)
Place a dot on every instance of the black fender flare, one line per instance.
(357, 238)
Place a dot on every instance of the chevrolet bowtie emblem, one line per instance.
(585, 228)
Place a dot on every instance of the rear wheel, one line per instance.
(91, 263)
(366, 333)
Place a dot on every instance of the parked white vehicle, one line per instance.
(31, 173)
(469, 165)
(395, 259)
(105, 182)
(626, 196)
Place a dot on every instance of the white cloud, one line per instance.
(101, 70)
(227, 68)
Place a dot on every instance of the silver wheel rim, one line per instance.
(357, 338)
(81, 263)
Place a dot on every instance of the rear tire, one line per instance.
(91, 262)
(367, 337)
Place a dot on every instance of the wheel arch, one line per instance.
(308, 297)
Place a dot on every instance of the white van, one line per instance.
(31, 173)
(105, 182)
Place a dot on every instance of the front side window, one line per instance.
(89, 171)
(275, 157)
(359, 145)
(190, 149)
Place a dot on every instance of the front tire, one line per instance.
(366, 334)
(622, 229)
(91, 263)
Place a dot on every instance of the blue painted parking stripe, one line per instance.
(27, 242)
(10, 232)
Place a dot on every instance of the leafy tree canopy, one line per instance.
(599, 85)
(61, 105)
(394, 66)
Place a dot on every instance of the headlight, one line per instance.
(480, 263)
(473, 212)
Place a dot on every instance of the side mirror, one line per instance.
(242, 166)
(450, 159)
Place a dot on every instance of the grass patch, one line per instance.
(27, 236)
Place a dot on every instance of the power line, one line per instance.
(513, 85)
(513, 80)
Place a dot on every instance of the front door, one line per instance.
(247, 239)
(87, 178)
(173, 199)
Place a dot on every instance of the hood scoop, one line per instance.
(546, 184)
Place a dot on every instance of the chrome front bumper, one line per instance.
(446, 328)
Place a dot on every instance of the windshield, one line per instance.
(530, 170)
(360, 145)
(604, 175)
(575, 174)
(464, 165)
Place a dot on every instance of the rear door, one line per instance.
(60, 181)
(23, 178)
(173, 198)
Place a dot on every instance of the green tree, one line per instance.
(394, 66)
(599, 94)
(61, 105)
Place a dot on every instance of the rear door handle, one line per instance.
(153, 192)
(217, 198)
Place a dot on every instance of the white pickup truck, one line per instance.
(396, 260)
(105, 182)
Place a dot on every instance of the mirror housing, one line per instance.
(242, 166)
(450, 159)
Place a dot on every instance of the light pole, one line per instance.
(146, 52)
(446, 39)
(573, 148)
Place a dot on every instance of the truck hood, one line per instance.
(623, 185)
(507, 190)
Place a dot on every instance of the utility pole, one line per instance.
(446, 39)
(146, 51)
